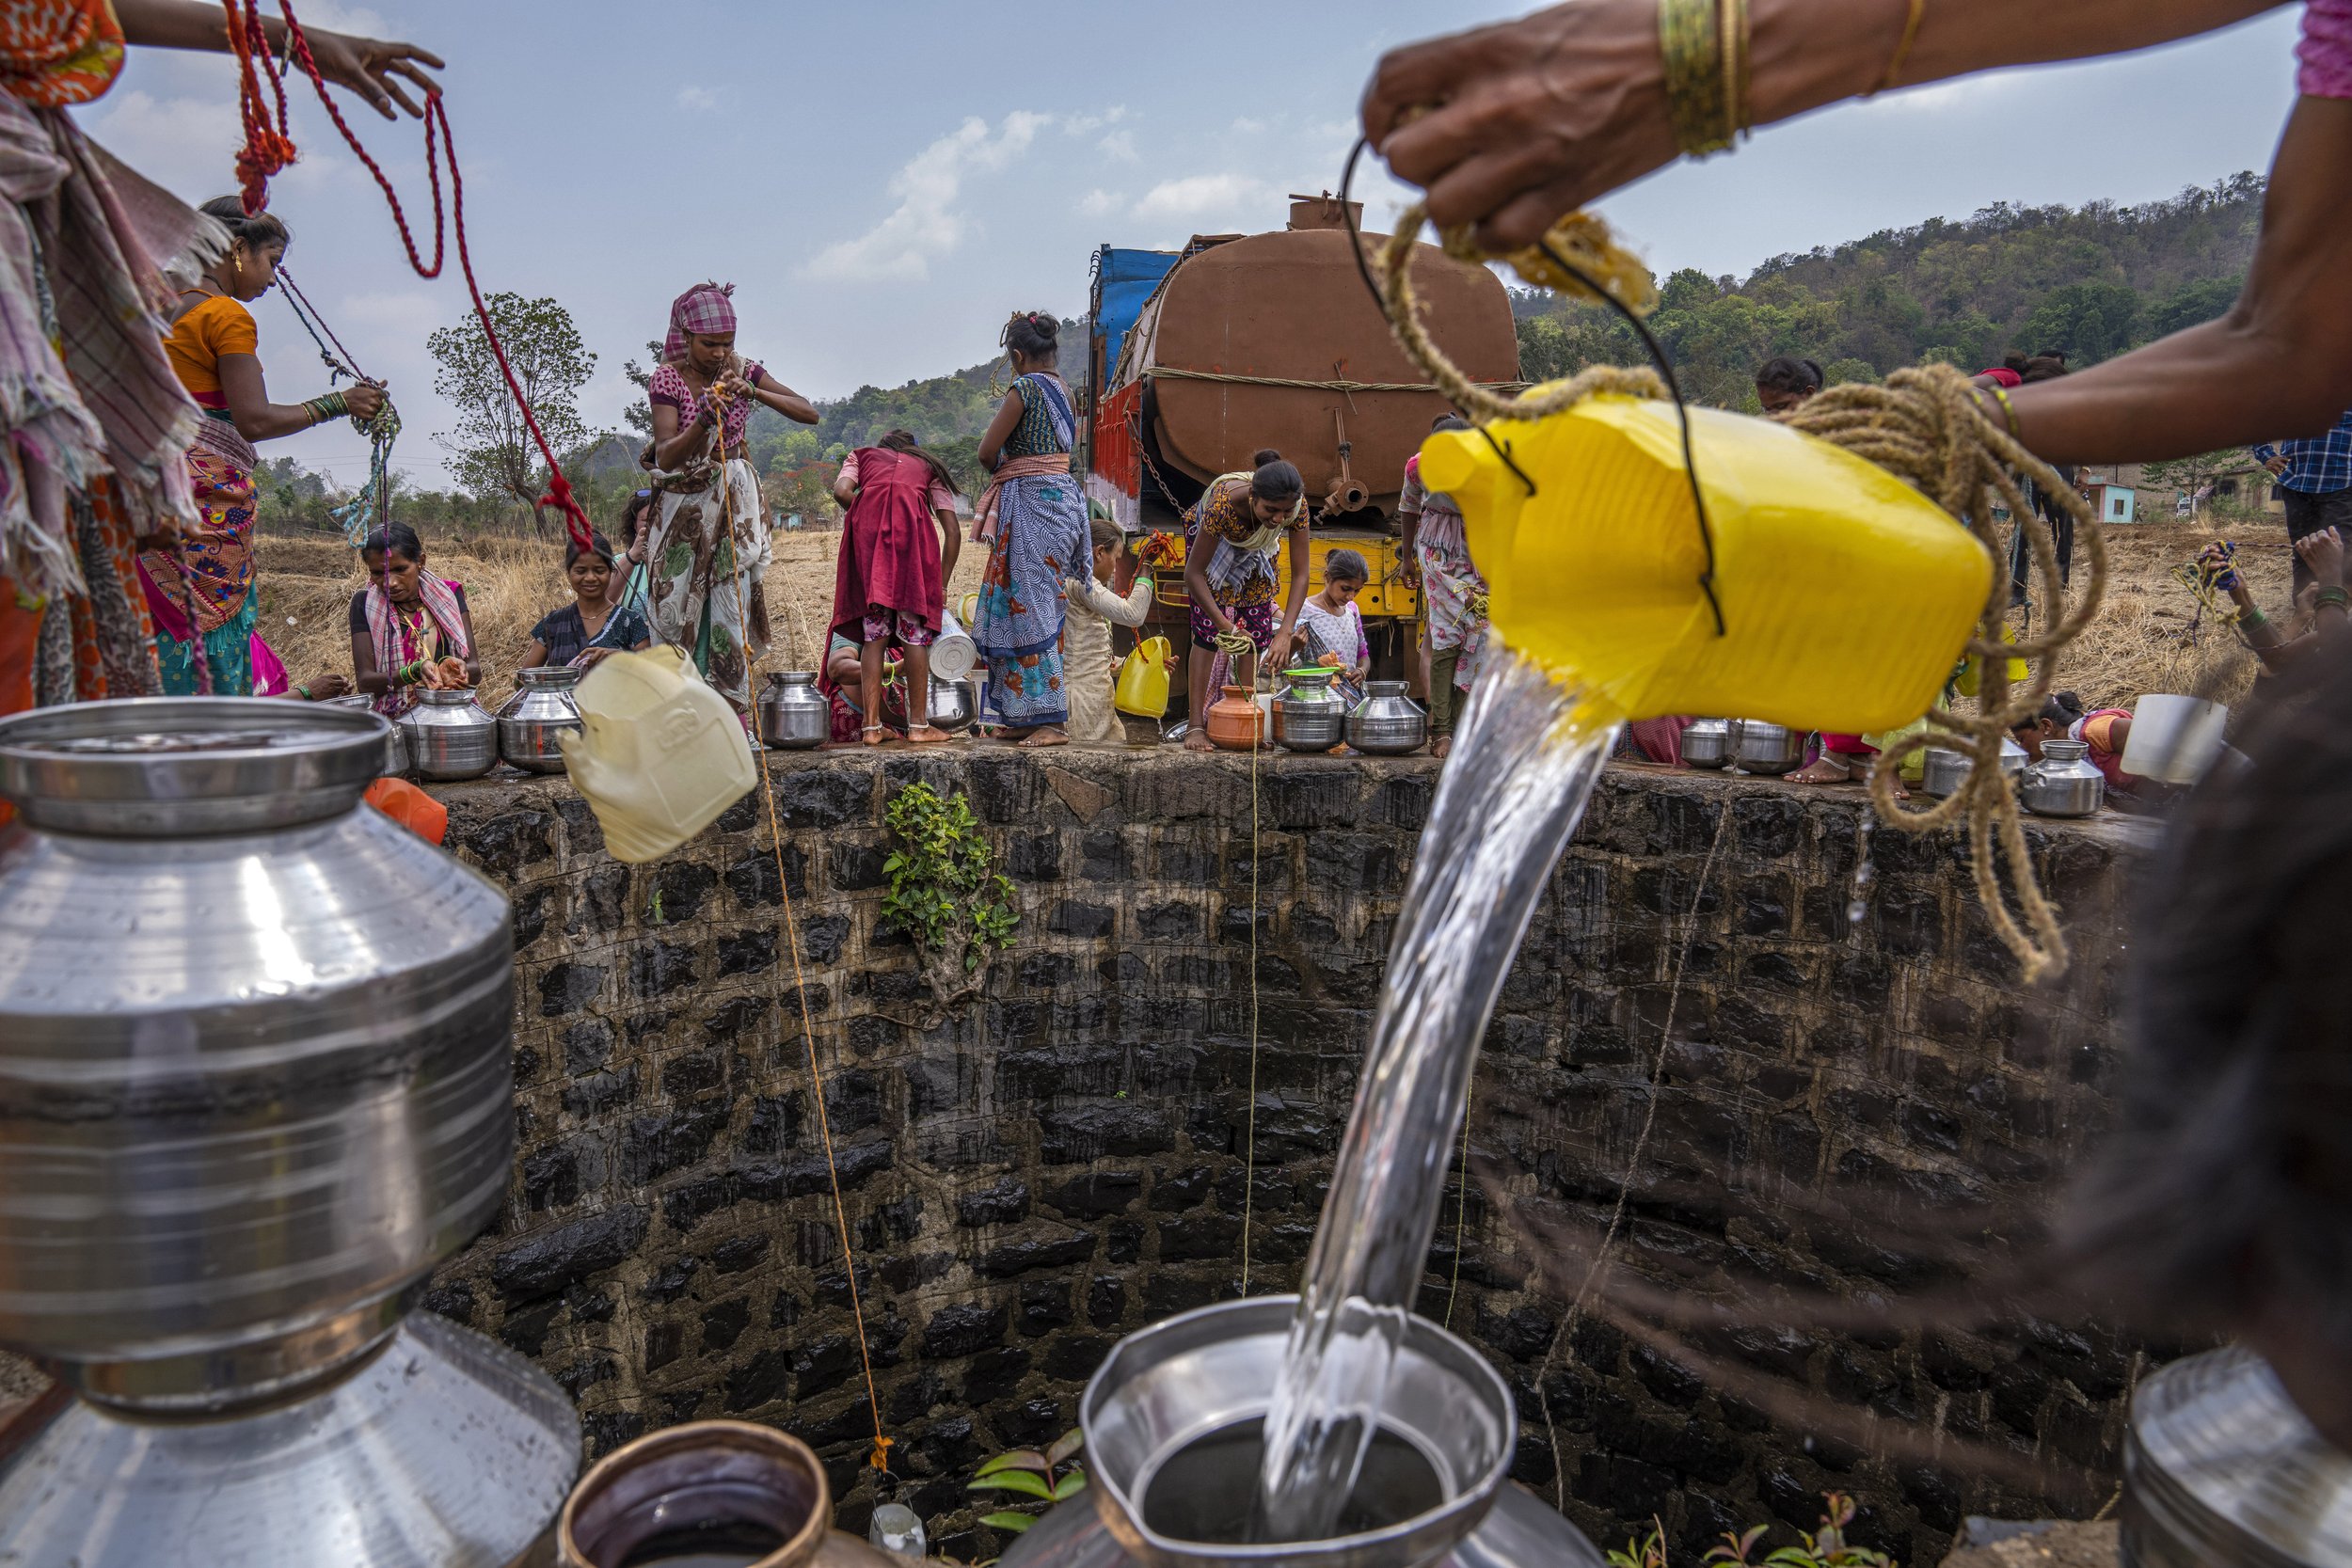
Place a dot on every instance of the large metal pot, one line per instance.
(541, 710)
(1761, 748)
(1942, 771)
(793, 714)
(1310, 715)
(450, 736)
(1387, 723)
(483, 1445)
(2220, 1470)
(1172, 1459)
(255, 1082)
(395, 743)
(2064, 783)
(953, 702)
(254, 1046)
(1706, 743)
(709, 1492)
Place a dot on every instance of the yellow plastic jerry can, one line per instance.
(659, 755)
(1846, 594)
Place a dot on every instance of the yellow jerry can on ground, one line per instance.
(1847, 596)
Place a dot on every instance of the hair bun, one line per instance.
(1263, 456)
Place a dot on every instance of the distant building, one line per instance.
(2112, 503)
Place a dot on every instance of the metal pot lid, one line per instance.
(458, 696)
(1384, 689)
(549, 674)
(163, 767)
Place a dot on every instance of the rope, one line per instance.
(1926, 426)
(374, 501)
(1641, 1146)
(1176, 375)
(880, 1458)
(1250, 1135)
(270, 148)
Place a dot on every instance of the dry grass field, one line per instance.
(2146, 640)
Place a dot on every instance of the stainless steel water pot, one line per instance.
(793, 715)
(1387, 723)
(2220, 1470)
(1758, 746)
(254, 1047)
(450, 736)
(540, 710)
(1706, 743)
(444, 1450)
(395, 743)
(1310, 715)
(1161, 1413)
(2065, 783)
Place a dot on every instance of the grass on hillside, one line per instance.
(2144, 641)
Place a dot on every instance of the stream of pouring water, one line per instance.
(1511, 794)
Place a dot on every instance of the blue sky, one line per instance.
(884, 183)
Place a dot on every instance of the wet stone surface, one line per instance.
(1843, 1109)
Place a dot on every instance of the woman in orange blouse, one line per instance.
(215, 352)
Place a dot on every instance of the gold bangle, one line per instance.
(2009, 410)
(1690, 45)
(1902, 49)
(1732, 34)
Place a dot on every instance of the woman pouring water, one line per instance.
(1230, 539)
(708, 544)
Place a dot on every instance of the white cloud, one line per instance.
(1249, 126)
(1087, 125)
(1100, 204)
(1120, 147)
(1198, 196)
(702, 100)
(925, 225)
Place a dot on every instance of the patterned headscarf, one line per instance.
(703, 310)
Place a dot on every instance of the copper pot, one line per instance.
(728, 1487)
(1235, 720)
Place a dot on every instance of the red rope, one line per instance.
(269, 148)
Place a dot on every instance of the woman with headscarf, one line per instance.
(1035, 523)
(205, 593)
(708, 542)
(898, 545)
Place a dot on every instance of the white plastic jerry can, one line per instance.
(659, 755)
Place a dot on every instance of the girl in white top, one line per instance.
(1332, 626)
(1088, 672)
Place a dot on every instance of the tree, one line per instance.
(491, 450)
(638, 415)
(2086, 322)
(2198, 478)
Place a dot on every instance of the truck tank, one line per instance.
(1247, 341)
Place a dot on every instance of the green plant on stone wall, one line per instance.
(945, 891)
(1052, 1476)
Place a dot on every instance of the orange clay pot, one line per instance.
(1233, 720)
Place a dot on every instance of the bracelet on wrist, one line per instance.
(1703, 45)
(1893, 76)
(304, 692)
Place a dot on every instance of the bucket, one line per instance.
(1847, 596)
(2174, 740)
(659, 755)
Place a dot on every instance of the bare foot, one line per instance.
(1440, 746)
(1826, 768)
(877, 734)
(1196, 742)
(1047, 736)
(924, 734)
(1015, 734)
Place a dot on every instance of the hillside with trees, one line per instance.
(2088, 282)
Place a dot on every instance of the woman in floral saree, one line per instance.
(707, 546)
(1034, 521)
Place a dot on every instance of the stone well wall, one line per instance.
(1063, 1161)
